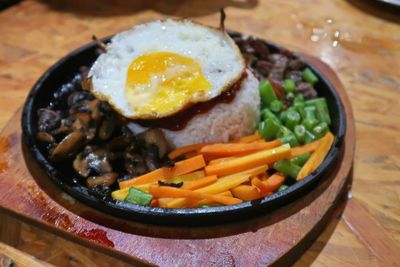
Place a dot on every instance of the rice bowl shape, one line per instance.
(223, 123)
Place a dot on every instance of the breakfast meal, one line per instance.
(175, 114)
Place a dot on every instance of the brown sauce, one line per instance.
(178, 121)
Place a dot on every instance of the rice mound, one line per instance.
(223, 123)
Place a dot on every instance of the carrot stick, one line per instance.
(184, 150)
(249, 138)
(223, 184)
(167, 191)
(317, 157)
(200, 183)
(180, 168)
(307, 148)
(226, 150)
(246, 192)
(249, 161)
(208, 202)
(214, 161)
(269, 185)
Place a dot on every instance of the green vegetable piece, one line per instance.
(290, 95)
(286, 167)
(320, 130)
(310, 119)
(300, 133)
(204, 206)
(136, 196)
(283, 187)
(293, 118)
(290, 139)
(310, 137)
(289, 85)
(267, 113)
(300, 108)
(282, 116)
(312, 102)
(284, 131)
(276, 106)
(300, 160)
(323, 112)
(299, 98)
(309, 76)
(269, 128)
(267, 93)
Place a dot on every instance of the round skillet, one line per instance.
(62, 74)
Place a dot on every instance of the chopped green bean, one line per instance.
(286, 167)
(310, 137)
(289, 85)
(300, 133)
(136, 196)
(290, 96)
(309, 76)
(267, 113)
(301, 159)
(299, 98)
(292, 119)
(300, 108)
(269, 128)
(276, 106)
(267, 93)
(323, 112)
(310, 119)
(290, 139)
(320, 130)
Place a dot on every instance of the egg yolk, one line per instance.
(161, 83)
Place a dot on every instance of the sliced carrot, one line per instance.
(200, 183)
(223, 184)
(214, 161)
(249, 161)
(167, 191)
(154, 203)
(163, 201)
(270, 185)
(209, 202)
(317, 157)
(228, 150)
(307, 148)
(174, 154)
(189, 177)
(153, 176)
(180, 168)
(246, 192)
(249, 138)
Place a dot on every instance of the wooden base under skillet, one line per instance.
(277, 237)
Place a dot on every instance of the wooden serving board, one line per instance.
(274, 238)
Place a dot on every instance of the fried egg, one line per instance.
(157, 69)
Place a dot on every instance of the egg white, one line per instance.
(221, 61)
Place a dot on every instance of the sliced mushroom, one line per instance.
(151, 157)
(48, 119)
(45, 137)
(102, 180)
(65, 127)
(68, 146)
(154, 136)
(107, 127)
(92, 159)
(78, 96)
(134, 164)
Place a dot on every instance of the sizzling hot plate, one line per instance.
(63, 72)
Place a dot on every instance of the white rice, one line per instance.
(223, 123)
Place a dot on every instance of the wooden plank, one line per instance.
(11, 255)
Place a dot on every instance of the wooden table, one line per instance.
(358, 39)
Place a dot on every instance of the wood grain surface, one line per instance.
(358, 39)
